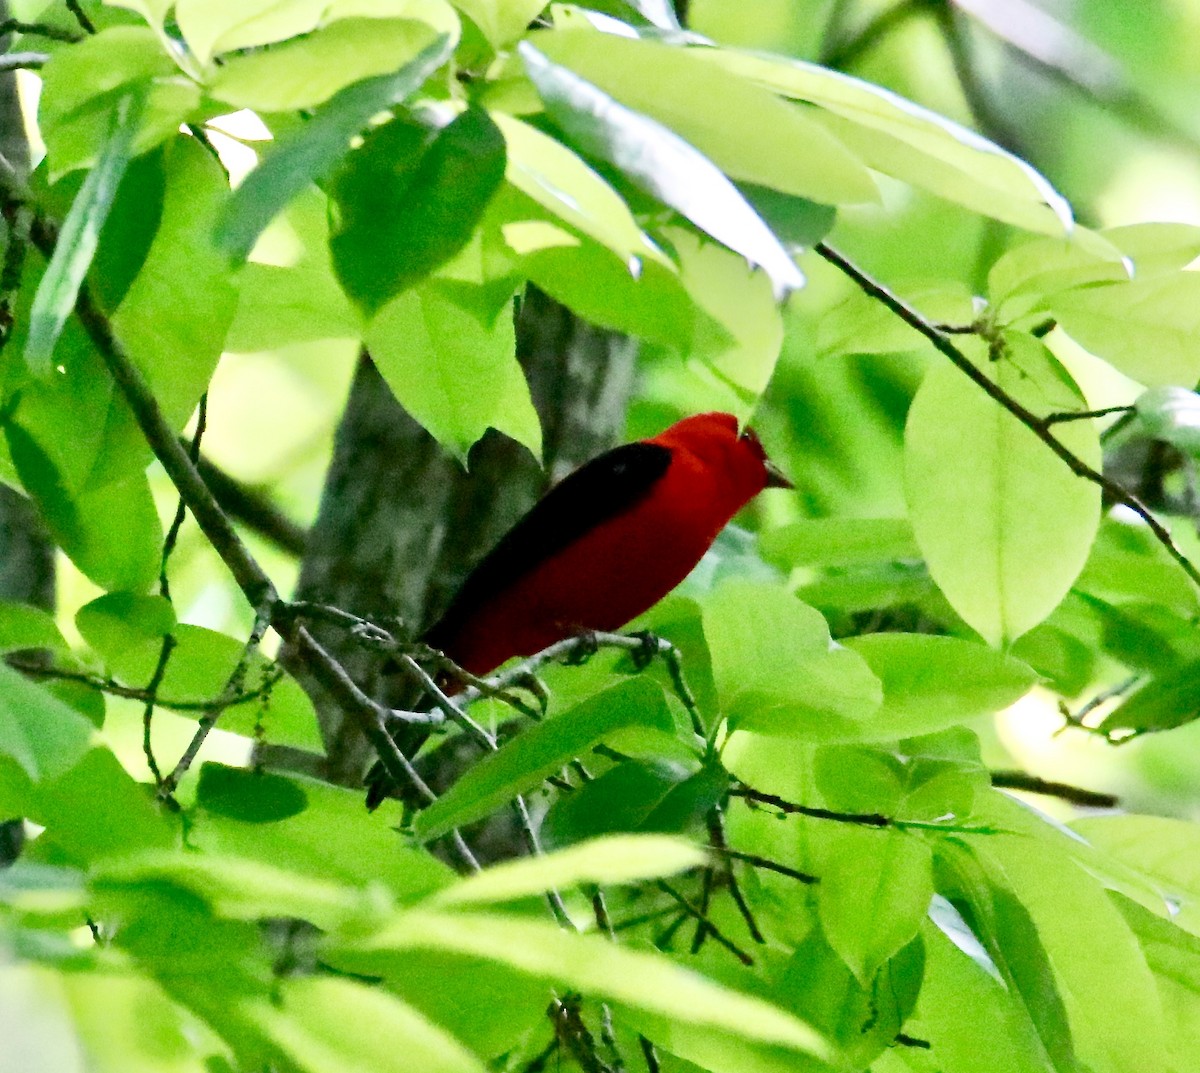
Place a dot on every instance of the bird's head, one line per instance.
(714, 439)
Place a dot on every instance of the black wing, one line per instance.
(608, 485)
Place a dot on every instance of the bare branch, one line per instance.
(38, 29)
(1075, 795)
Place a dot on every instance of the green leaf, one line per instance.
(523, 762)
(174, 317)
(311, 152)
(874, 893)
(1156, 248)
(745, 130)
(212, 26)
(1011, 946)
(608, 861)
(1170, 700)
(860, 325)
(406, 203)
(619, 800)
(1109, 994)
(111, 533)
(41, 733)
(83, 84)
(896, 137)
(117, 621)
(931, 682)
(1025, 277)
(307, 1025)
(307, 71)
(310, 828)
(1165, 850)
(839, 542)
(734, 349)
(660, 162)
(1171, 414)
(247, 889)
(77, 241)
(776, 670)
(1146, 328)
(197, 672)
(995, 1038)
(502, 21)
(23, 627)
(558, 180)
(456, 376)
(796, 221)
(598, 968)
(1004, 526)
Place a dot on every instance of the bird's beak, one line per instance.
(776, 478)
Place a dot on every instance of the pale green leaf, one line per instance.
(322, 1024)
(1156, 248)
(1025, 277)
(307, 71)
(734, 349)
(776, 669)
(558, 180)
(839, 542)
(660, 162)
(1004, 526)
(502, 21)
(1147, 328)
(212, 26)
(612, 860)
(597, 967)
(931, 683)
(455, 375)
(524, 762)
(744, 129)
(911, 143)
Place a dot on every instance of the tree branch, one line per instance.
(1039, 426)
(1075, 795)
(246, 504)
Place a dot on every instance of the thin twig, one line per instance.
(768, 865)
(861, 819)
(716, 834)
(1037, 425)
(38, 29)
(234, 686)
(1075, 795)
(23, 61)
(650, 1055)
(698, 914)
(152, 687)
(1083, 415)
(843, 53)
(85, 24)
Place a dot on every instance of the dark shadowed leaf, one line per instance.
(312, 151)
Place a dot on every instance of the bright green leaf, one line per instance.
(307, 71)
(502, 21)
(1145, 327)
(522, 763)
(776, 670)
(1170, 700)
(114, 623)
(1025, 277)
(456, 376)
(911, 143)
(1004, 526)
(212, 26)
(599, 968)
(1156, 248)
(874, 893)
(660, 162)
(839, 542)
(607, 861)
(745, 130)
(931, 682)
(23, 626)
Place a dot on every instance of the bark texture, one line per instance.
(26, 554)
(401, 523)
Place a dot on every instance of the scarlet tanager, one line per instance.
(603, 545)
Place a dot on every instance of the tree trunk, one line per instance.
(401, 523)
(26, 554)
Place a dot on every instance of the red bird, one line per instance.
(604, 544)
